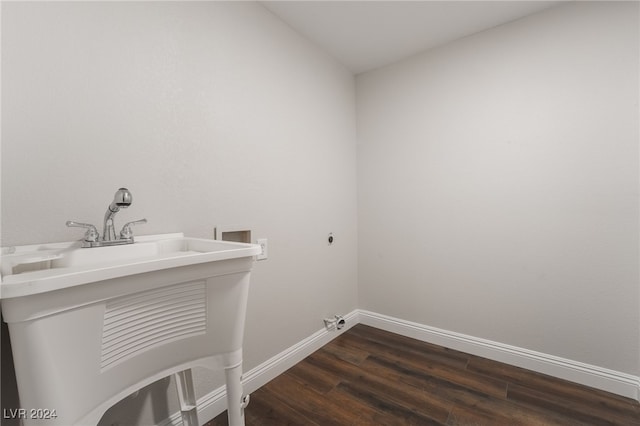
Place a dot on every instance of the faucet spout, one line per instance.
(122, 199)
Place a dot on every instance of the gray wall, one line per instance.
(498, 185)
(497, 176)
(211, 113)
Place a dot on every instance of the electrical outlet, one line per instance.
(263, 244)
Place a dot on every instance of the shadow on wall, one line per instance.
(9, 387)
(134, 407)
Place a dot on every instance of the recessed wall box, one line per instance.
(235, 233)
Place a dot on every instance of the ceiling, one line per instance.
(365, 35)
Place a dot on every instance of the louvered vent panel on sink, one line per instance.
(139, 322)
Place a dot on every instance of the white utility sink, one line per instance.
(89, 326)
(45, 267)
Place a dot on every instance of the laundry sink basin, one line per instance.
(46, 267)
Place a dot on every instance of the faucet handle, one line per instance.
(91, 235)
(126, 232)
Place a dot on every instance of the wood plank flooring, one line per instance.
(368, 376)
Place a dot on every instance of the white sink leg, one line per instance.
(235, 400)
(187, 398)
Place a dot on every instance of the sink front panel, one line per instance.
(140, 322)
(80, 350)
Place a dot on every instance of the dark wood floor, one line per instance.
(371, 377)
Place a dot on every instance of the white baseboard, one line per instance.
(578, 372)
(214, 403)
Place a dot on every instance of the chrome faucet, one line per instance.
(122, 199)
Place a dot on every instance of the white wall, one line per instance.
(498, 185)
(497, 176)
(211, 113)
